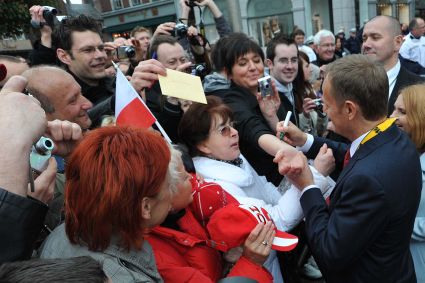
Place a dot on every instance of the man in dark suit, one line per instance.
(364, 233)
(382, 40)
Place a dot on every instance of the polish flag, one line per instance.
(130, 109)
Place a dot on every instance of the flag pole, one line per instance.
(160, 128)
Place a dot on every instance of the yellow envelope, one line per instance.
(182, 85)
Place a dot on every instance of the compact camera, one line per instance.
(40, 154)
(199, 70)
(265, 86)
(124, 52)
(319, 107)
(180, 30)
(49, 14)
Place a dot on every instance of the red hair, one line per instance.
(108, 175)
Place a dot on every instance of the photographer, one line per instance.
(222, 26)
(46, 53)
(23, 121)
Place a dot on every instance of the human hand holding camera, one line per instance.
(37, 18)
(308, 106)
(268, 99)
(165, 28)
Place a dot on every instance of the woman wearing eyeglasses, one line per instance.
(409, 109)
(207, 130)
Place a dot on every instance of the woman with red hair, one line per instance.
(118, 186)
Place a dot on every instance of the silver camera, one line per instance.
(265, 86)
(124, 52)
(40, 154)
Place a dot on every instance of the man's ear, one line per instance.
(351, 109)
(146, 208)
(398, 41)
(269, 63)
(63, 56)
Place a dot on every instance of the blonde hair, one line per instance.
(414, 102)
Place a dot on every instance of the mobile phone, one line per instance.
(265, 86)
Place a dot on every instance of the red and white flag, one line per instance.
(130, 109)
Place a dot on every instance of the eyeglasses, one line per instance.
(226, 129)
(285, 61)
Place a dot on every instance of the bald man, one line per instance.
(59, 94)
(14, 66)
(382, 40)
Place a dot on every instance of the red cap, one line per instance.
(207, 198)
(3, 72)
(230, 226)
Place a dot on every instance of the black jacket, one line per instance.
(404, 78)
(21, 220)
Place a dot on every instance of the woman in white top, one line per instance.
(213, 142)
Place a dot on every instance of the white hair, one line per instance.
(173, 172)
(321, 34)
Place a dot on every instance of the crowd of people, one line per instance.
(335, 191)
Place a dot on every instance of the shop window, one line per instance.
(267, 28)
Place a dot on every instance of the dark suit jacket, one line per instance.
(364, 234)
(404, 78)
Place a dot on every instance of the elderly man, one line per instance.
(364, 234)
(381, 41)
(324, 46)
(61, 97)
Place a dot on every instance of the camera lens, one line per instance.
(130, 51)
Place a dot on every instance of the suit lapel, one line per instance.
(362, 152)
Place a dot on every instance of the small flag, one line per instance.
(130, 109)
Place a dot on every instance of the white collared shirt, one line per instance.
(413, 49)
(392, 77)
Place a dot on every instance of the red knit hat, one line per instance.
(207, 198)
(230, 226)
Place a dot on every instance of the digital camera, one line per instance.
(49, 14)
(199, 70)
(124, 52)
(40, 154)
(319, 107)
(265, 86)
(179, 31)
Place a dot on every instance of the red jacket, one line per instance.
(183, 256)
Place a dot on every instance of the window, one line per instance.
(117, 4)
(135, 2)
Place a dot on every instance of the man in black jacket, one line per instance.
(282, 59)
(363, 234)
(382, 40)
